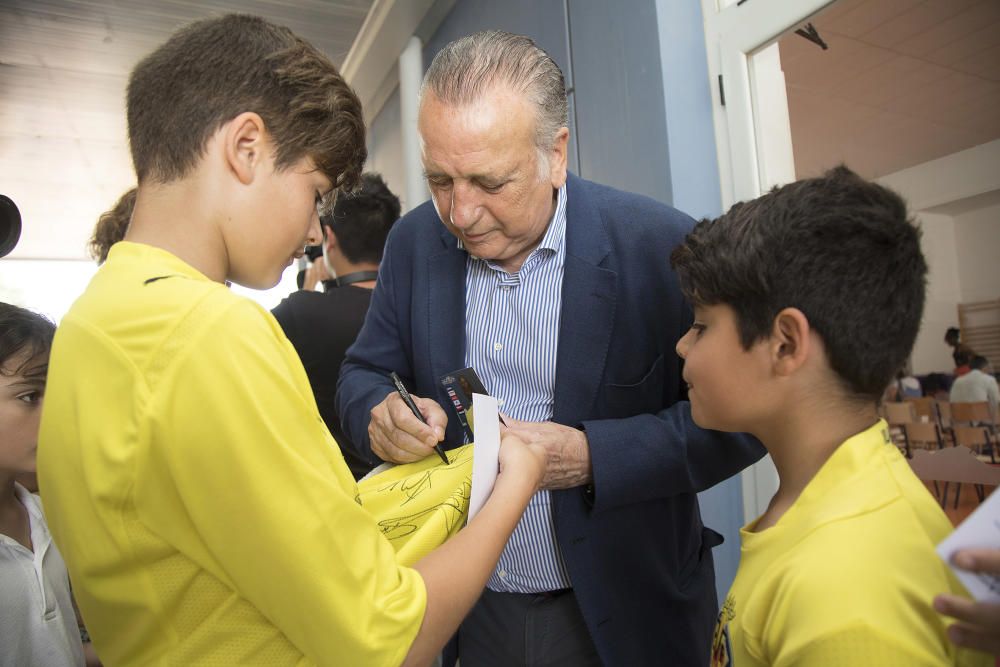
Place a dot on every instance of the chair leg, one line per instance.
(958, 493)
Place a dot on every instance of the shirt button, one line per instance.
(497, 346)
(503, 574)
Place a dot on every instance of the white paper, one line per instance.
(486, 451)
(981, 529)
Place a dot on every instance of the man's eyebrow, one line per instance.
(30, 383)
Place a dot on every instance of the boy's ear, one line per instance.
(245, 143)
(790, 341)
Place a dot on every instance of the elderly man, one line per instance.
(559, 293)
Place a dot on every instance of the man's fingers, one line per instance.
(970, 611)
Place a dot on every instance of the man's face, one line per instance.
(490, 184)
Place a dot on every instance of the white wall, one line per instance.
(930, 354)
(385, 148)
(961, 240)
(977, 243)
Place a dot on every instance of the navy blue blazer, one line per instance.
(633, 542)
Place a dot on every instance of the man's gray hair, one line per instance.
(466, 69)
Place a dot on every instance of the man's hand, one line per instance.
(315, 274)
(567, 450)
(397, 436)
(979, 622)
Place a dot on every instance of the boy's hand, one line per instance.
(521, 462)
(397, 436)
(979, 626)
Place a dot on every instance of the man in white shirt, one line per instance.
(976, 386)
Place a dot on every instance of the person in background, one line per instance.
(558, 292)
(800, 323)
(205, 512)
(961, 353)
(978, 385)
(322, 325)
(111, 226)
(38, 622)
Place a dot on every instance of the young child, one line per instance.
(807, 300)
(205, 512)
(38, 624)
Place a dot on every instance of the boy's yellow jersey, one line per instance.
(204, 511)
(847, 575)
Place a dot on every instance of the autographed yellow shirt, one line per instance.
(847, 575)
(204, 511)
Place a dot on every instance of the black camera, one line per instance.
(314, 252)
(10, 225)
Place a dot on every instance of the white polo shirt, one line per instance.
(37, 623)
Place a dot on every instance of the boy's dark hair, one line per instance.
(211, 71)
(361, 220)
(111, 226)
(952, 335)
(840, 249)
(21, 329)
(979, 363)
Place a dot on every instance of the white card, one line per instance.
(486, 451)
(981, 529)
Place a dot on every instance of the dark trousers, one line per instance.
(512, 629)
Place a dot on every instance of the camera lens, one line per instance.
(10, 225)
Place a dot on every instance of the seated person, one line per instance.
(976, 386)
(36, 627)
(961, 353)
(205, 513)
(322, 325)
(799, 325)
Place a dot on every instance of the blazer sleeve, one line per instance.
(364, 376)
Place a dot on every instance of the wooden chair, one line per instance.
(922, 435)
(925, 407)
(976, 438)
(954, 464)
(973, 414)
(898, 414)
(944, 415)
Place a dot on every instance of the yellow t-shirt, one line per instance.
(847, 575)
(205, 512)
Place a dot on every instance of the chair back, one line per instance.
(976, 438)
(900, 413)
(924, 405)
(971, 413)
(922, 435)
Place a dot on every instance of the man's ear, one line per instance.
(329, 239)
(790, 341)
(558, 158)
(245, 145)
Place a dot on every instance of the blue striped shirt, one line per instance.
(512, 333)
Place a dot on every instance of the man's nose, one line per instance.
(464, 206)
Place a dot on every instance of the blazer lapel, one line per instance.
(446, 315)
(588, 309)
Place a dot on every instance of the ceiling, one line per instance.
(63, 70)
(903, 81)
